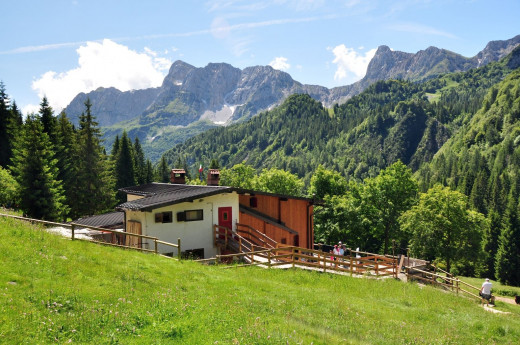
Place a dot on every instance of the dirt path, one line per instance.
(505, 299)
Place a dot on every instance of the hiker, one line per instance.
(485, 292)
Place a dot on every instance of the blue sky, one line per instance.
(60, 48)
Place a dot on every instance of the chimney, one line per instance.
(178, 176)
(213, 177)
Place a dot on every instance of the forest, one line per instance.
(430, 167)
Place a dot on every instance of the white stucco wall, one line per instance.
(193, 234)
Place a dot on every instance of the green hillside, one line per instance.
(58, 291)
(390, 121)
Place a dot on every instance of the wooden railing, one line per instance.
(228, 238)
(264, 240)
(291, 256)
(118, 236)
(449, 282)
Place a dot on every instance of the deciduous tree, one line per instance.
(443, 227)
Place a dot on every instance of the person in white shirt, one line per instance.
(485, 291)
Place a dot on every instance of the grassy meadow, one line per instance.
(54, 290)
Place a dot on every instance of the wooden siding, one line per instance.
(293, 213)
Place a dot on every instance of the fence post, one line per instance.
(155, 244)
(325, 263)
(269, 259)
(72, 229)
(179, 249)
(217, 259)
(457, 281)
(351, 262)
(377, 268)
(293, 258)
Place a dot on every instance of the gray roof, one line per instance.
(107, 220)
(164, 194)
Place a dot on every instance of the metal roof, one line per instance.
(163, 194)
(107, 220)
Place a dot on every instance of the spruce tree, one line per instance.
(48, 120)
(507, 265)
(148, 175)
(67, 155)
(115, 148)
(140, 163)
(163, 171)
(124, 167)
(95, 183)
(490, 244)
(6, 145)
(34, 167)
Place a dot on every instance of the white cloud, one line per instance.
(30, 109)
(280, 63)
(351, 65)
(102, 64)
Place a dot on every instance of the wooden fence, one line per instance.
(118, 238)
(448, 282)
(355, 262)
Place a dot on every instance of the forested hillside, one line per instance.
(390, 121)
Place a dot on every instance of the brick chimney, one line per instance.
(213, 177)
(178, 176)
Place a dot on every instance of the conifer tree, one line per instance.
(148, 175)
(6, 143)
(115, 148)
(507, 264)
(16, 115)
(95, 183)
(139, 162)
(214, 164)
(48, 120)
(66, 155)
(124, 167)
(490, 244)
(163, 171)
(34, 167)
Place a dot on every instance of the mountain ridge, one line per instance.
(223, 94)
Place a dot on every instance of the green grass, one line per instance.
(54, 290)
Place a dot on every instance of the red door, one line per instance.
(224, 219)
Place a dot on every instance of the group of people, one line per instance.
(339, 250)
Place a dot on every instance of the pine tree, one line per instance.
(48, 120)
(490, 244)
(6, 144)
(214, 164)
(115, 148)
(140, 163)
(95, 183)
(66, 155)
(34, 167)
(149, 174)
(507, 265)
(163, 171)
(124, 167)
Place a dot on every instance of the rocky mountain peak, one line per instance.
(495, 50)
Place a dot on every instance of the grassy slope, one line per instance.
(54, 290)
